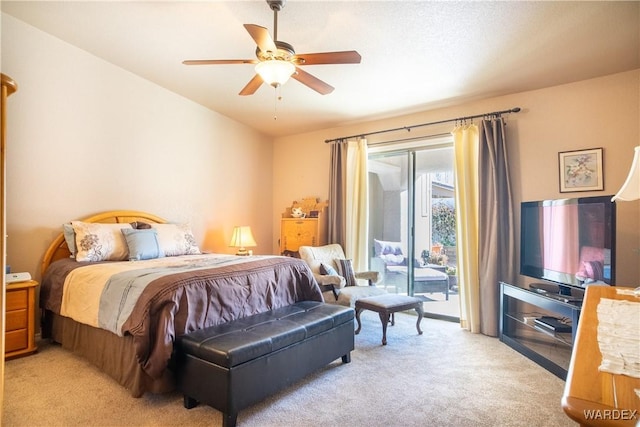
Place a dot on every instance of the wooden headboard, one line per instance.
(58, 249)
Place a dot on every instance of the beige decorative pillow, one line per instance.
(176, 239)
(100, 242)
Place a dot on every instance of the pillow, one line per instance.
(176, 239)
(327, 270)
(70, 238)
(139, 225)
(100, 242)
(593, 270)
(345, 268)
(382, 247)
(142, 243)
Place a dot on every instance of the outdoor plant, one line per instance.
(443, 226)
(439, 259)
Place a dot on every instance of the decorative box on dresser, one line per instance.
(310, 230)
(20, 322)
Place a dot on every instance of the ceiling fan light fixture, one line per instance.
(275, 72)
(277, 61)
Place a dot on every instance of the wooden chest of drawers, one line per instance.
(20, 319)
(296, 232)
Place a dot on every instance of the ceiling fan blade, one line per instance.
(344, 57)
(262, 38)
(252, 86)
(219, 61)
(311, 81)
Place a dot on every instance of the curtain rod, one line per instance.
(408, 128)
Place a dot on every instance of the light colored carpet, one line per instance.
(445, 377)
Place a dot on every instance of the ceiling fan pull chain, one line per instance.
(275, 103)
(277, 97)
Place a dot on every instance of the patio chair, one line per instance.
(390, 260)
(336, 277)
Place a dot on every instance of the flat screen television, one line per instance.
(569, 241)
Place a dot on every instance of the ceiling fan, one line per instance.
(277, 60)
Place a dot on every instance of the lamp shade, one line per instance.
(631, 188)
(275, 71)
(242, 238)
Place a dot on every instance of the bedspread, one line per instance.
(175, 296)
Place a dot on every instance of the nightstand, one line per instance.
(20, 321)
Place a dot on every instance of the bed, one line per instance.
(123, 315)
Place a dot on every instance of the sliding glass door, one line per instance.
(412, 223)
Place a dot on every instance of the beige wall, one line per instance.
(142, 147)
(602, 112)
(85, 136)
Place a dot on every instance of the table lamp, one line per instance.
(242, 238)
(630, 190)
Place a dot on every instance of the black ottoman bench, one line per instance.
(236, 364)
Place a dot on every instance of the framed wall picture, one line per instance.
(581, 170)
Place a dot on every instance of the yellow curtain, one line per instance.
(357, 211)
(465, 143)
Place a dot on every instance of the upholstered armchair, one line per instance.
(336, 277)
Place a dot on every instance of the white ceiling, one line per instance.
(416, 55)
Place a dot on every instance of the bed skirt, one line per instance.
(119, 361)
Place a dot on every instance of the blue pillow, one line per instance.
(142, 244)
(327, 270)
(70, 238)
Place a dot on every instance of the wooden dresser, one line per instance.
(308, 231)
(296, 232)
(20, 319)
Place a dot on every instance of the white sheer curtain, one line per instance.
(357, 214)
(465, 144)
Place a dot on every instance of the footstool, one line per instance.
(385, 306)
